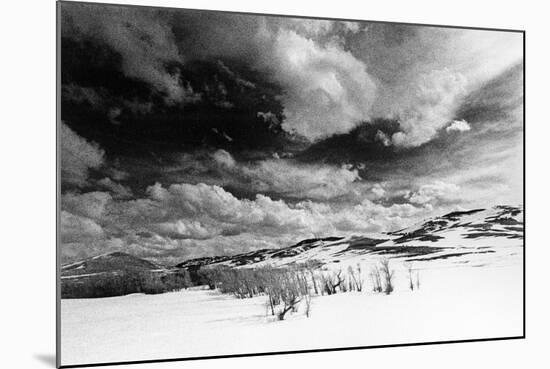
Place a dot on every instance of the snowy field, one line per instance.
(456, 301)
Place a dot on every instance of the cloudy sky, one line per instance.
(191, 133)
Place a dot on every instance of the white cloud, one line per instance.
(266, 217)
(223, 158)
(75, 228)
(326, 89)
(91, 204)
(78, 156)
(320, 182)
(183, 228)
(378, 190)
(118, 190)
(428, 107)
(382, 138)
(186, 219)
(433, 192)
(321, 29)
(277, 175)
(458, 126)
(269, 117)
(213, 203)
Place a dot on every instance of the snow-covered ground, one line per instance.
(465, 298)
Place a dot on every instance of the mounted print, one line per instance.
(244, 184)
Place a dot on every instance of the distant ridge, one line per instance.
(468, 229)
(108, 263)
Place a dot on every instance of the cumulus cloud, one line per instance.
(371, 217)
(194, 215)
(183, 229)
(280, 176)
(224, 158)
(214, 203)
(434, 192)
(315, 181)
(269, 118)
(321, 29)
(75, 228)
(218, 210)
(118, 190)
(416, 75)
(458, 126)
(78, 156)
(424, 73)
(91, 204)
(326, 89)
(329, 89)
(378, 190)
(382, 138)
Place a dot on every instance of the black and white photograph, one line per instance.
(240, 184)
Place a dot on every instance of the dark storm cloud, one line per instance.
(121, 93)
(140, 36)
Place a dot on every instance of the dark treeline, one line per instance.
(124, 283)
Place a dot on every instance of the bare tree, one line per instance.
(417, 280)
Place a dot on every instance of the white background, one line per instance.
(27, 192)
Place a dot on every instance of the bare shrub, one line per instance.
(387, 275)
(325, 284)
(284, 288)
(330, 283)
(356, 281)
(210, 276)
(343, 286)
(307, 299)
(376, 279)
(243, 283)
(336, 281)
(292, 290)
(310, 266)
(409, 267)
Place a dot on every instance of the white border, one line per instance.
(28, 182)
